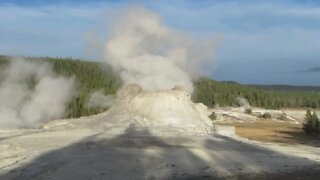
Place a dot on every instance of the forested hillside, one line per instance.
(212, 93)
(92, 76)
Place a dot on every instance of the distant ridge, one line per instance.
(278, 87)
(286, 87)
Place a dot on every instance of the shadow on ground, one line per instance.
(137, 154)
(297, 136)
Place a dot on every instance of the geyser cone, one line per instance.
(159, 108)
(165, 111)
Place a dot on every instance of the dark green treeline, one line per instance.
(213, 93)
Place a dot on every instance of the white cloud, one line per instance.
(257, 30)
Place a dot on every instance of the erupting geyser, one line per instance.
(155, 64)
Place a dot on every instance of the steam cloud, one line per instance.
(243, 102)
(148, 53)
(24, 105)
(98, 99)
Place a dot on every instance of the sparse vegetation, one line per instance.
(213, 116)
(248, 111)
(311, 124)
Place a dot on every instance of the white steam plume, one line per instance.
(148, 53)
(243, 102)
(98, 99)
(22, 105)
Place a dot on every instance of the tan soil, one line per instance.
(271, 131)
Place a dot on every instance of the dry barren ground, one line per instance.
(277, 132)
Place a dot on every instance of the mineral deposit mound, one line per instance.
(162, 112)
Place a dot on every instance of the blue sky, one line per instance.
(264, 42)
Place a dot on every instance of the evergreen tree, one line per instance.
(315, 123)
(311, 124)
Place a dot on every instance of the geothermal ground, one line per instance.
(132, 141)
(135, 154)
